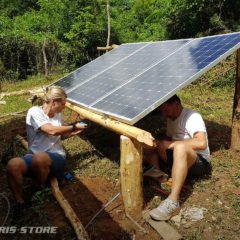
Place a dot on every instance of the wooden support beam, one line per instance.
(140, 135)
(131, 177)
(69, 212)
(235, 139)
(107, 48)
(22, 141)
(119, 127)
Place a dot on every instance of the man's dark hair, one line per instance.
(173, 99)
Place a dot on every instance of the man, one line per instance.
(46, 156)
(186, 148)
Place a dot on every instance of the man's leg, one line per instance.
(41, 167)
(183, 158)
(16, 168)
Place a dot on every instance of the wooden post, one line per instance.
(131, 177)
(235, 140)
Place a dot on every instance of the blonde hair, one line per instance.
(54, 93)
(51, 93)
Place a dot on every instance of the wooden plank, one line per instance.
(131, 177)
(166, 231)
(235, 138)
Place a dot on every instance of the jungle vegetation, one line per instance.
(47, 36)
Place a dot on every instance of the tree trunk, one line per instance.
(109, 22)
(45, 58)
(235, 141)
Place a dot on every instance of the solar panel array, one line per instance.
(129, 82)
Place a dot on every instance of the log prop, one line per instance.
(140, 135)
(69, 212)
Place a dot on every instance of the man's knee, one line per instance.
(41, 160)
(16, 165)
(185, 153)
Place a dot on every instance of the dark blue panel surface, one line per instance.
(144, 93)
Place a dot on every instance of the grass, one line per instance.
(33, 81)
(14, 104)
(19, 103)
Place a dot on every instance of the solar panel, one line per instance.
(95, 67)
(147, 76)
(115, 76)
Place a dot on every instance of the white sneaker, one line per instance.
(167, 209)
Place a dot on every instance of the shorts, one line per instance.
(198, 169)
(57, 166)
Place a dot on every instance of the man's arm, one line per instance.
(198, 142)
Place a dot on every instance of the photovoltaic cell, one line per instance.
(129, 82)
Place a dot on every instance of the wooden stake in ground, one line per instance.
(235, 140)
(131, 177)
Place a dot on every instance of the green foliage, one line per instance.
(68, 32)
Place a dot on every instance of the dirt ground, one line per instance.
(94, 165)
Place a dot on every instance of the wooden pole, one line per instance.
(235, 139)
(131, 177)
(140, 135)
(119, 127)
(69, 212)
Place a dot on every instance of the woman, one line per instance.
(46, 156)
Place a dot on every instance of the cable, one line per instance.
(4, 196)
(104, 206)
